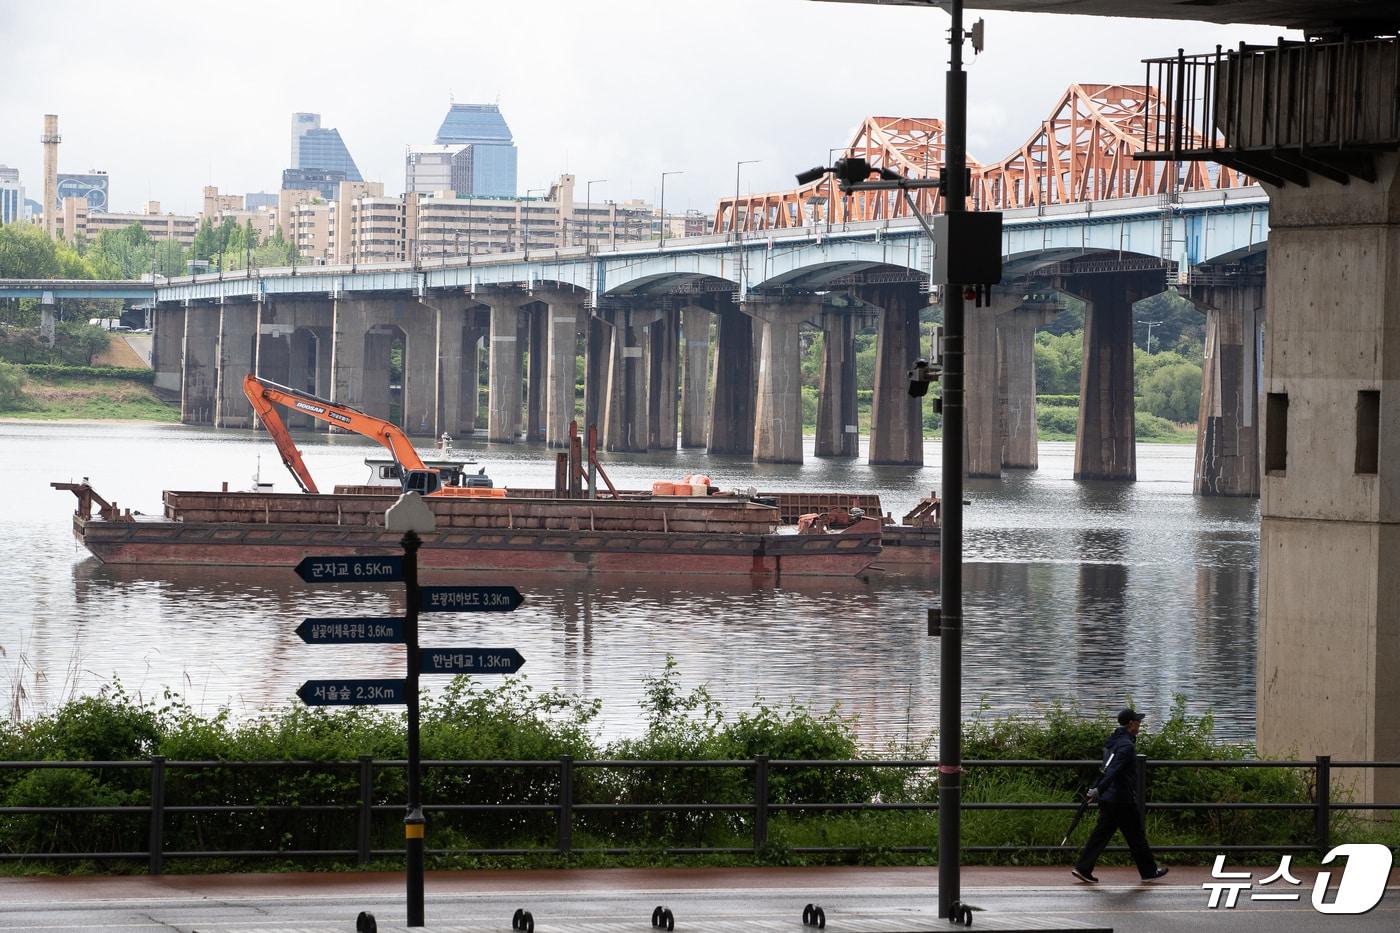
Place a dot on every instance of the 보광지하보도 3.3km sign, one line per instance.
(1359, 886)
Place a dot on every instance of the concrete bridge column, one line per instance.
(350, 323)
(167, 346)
(448, 321)
(695, 391)
(376, 396)
(199, 364)
(238, 327)
(777, 433)
(503, 398)
(561, 404)
(1105, 444)
(1016, 382)
(627, 422)
(896, 419)
(1227, 435)
(536, 337)
(732, 410)
(1329, 537)
(471, 373)
(984, 442)
(838, 422)
(421, 367)
(663, 371)
(597, 353)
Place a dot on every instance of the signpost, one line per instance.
(411, 516)
(469, 598)
(347, 692)
(470, 660)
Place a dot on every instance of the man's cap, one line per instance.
(1129, 715)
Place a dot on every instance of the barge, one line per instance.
(715, 535)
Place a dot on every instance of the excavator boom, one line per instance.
(265, 396)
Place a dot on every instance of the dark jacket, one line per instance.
(1119, 779)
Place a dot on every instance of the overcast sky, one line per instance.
(170, 96)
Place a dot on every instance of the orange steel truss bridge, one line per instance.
(1083, 151)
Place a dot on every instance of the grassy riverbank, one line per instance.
(513, 722)
(54, 393)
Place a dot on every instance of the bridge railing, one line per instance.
(556, 798)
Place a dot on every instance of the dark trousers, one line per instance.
(1113, 816)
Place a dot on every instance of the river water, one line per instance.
(1076, 593)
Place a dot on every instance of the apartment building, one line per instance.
(78, 220)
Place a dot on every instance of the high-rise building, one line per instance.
(438, 168)
(256, 199)
(492, 153)
(320, 149)
(12, 209)
(324, 181)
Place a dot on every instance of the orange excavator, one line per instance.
(415, 475)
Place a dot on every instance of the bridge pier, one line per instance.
(294, 348)
(1227, 436)
(167, 346)
(777, 432)
(1016, 382)
(561, 404)
(984, 440)
(695, 328)
(1105, 445)
(238, 327)
(1329, 537)
(477, 325)
(663, 371)
(896, 419)
(838, 420)
(732, 407)
(597, 354)
(503, 360)
(199, 364)
(627, 422)
(534, 334)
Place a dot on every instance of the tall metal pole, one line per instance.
(413, 820)
(950, 579)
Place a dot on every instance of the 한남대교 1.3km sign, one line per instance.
(469, 660)
(468, 598)
(385, 569)
(349, 692)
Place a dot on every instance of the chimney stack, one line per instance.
(50, 139)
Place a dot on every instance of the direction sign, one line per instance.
(347, 692)
(351, 631)
(383, 569)
(469, 598)
(470, 660)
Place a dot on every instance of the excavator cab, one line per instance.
(423, 482)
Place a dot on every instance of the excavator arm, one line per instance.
(265, 396)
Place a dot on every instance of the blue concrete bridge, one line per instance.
(645, 319)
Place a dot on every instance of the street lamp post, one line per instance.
(738, 166)
(588, 213)
(663, 206)
(1150, 325)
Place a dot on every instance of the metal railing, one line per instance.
(566, 808)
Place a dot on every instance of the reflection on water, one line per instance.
(1076, 592)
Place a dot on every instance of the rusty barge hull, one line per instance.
(257, 529)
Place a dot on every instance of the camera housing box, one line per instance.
(967, 248)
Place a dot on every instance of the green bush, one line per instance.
(1058, 401)
(12, 379)
(62, 371)
(1174, 392)
(1056, 422)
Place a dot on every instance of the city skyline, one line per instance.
(629, 92)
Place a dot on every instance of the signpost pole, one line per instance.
(413, 821)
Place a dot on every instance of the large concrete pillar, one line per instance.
(536, 319)
(503, 398)
(732, 408)
(561, 404)
(1329, 538)
(984, 441)
(777, 431)
(1105, 445)
(627, 422)
(349, 324)
(421, 367)
(838, 423)
(167, 346)
(695, 391)
(376, 392)
(199, 364)
(449, 322)
(238, 326)
(597, 356)
(1227, 434)
(471, 376)
(896, 419)
(663, 373)
(1016, 382)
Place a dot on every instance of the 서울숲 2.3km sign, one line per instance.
(469, 598)
(350, 692)
(383, 569)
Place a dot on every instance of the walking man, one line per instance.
(1116, 794)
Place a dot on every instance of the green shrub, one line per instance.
(61, 371)
(12, 379)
